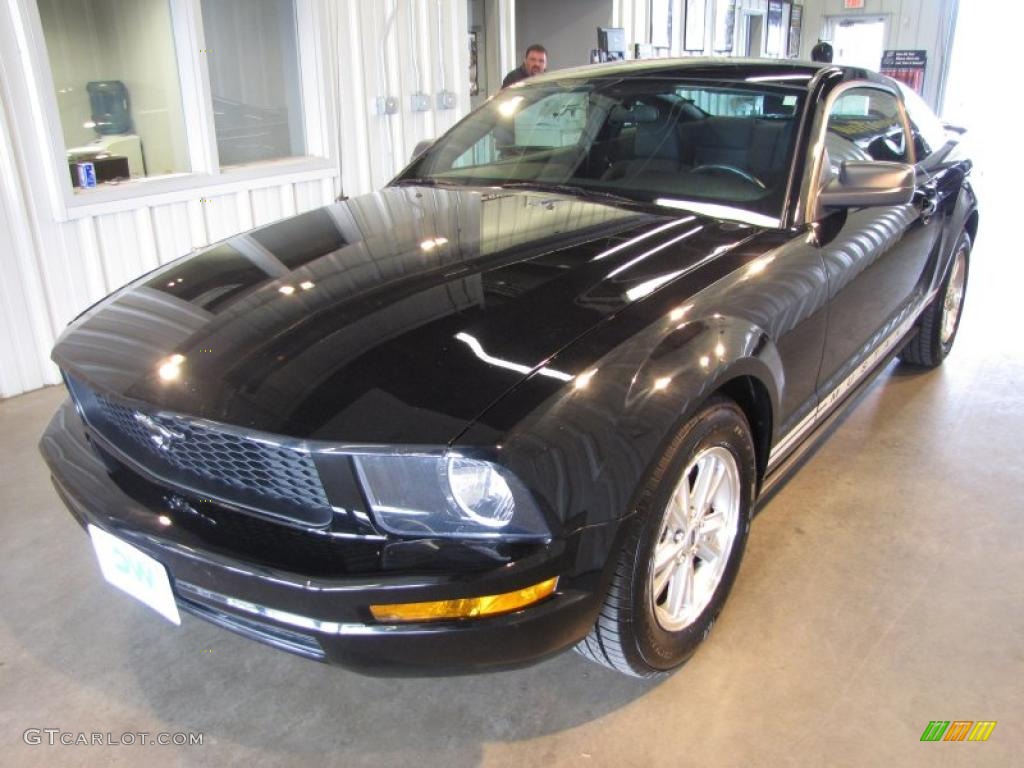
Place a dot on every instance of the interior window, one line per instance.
(118, 94)
(253, 57)
(865, 124)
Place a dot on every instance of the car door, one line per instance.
(875, 257)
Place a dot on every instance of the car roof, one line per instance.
(793, 72)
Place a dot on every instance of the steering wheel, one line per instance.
(712, 167)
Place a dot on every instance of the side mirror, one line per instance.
(861, 183)
(420, 148)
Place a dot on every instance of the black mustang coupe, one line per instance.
(526, 397)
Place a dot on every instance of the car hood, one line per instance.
(395, 317)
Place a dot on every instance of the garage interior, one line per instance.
(880, 590)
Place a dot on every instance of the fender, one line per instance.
(941, 261)
(964, 204)
(718, 349)
(585, 450)
(585, 444)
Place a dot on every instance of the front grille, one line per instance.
(222, 457)
(250, 471)
(239, 535)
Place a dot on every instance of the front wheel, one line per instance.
(941, 319)
(683, 547)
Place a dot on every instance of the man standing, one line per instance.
(535, 61)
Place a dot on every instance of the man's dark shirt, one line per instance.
(517, 74)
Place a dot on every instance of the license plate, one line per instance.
(133, 571)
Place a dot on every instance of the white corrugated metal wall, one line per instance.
(53, 269)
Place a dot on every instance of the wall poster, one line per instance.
(906, 66)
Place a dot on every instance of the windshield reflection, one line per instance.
(701, 143)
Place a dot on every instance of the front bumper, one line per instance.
(327, 618)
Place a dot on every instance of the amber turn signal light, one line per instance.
(466, 607)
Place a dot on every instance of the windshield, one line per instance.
(651, 140)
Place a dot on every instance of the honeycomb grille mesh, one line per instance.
(223, 457)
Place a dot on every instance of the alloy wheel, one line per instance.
(698, 530)
(953, 301)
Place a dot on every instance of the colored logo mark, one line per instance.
(958, 730)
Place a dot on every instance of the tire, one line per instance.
(939, 323)
(638, 632)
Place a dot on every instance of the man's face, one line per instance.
(535, 63)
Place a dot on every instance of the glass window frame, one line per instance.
(69, 203)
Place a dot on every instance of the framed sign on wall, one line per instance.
(725, 24)
(694, 25)
(773, 43)
(796, 17)
(906, 66)
(661, 23)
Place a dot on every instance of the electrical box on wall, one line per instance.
(385, 105)
(419, 102)
(446, 100)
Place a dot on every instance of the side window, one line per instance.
(865, 124)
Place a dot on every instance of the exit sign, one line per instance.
(853, 4)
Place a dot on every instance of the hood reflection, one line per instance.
(424, 304)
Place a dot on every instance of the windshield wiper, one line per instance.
(568, 189)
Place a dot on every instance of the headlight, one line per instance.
(481, 493)
(457, 497)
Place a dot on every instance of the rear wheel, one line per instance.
(683, 547)
(940, 322)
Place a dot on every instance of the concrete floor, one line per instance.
(883, 587)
